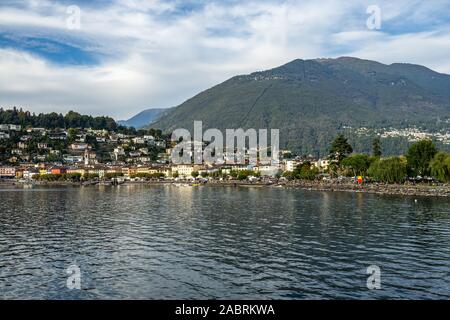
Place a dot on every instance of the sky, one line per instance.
(120, 57)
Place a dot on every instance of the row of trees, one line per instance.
(148, 176)
(236, 174)
(72, 119)
(74, 177)
(55, 120)
(304, 171)
(421, 160)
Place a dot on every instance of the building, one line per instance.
(118, 152)
(139, 140)
(40, 158)
(15, 127)
(55, 152)
(30, 173)
(90, 158)
(79, 146)
(185, 170)
(80, 171)
(58, 136)
(37, 130)
(57, 170)
(73, 159)
(7, 172)
(4, 136)
(270, 171)
(322, 164)
(291, 165)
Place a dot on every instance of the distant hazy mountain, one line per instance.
(143, 118)
(311, 100)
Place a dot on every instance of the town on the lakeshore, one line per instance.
(39, 153)
(116, 153)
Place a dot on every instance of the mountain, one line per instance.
(310, 101)
(142, 118)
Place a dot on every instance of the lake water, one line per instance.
(168, 242)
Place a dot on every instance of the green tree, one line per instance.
(112, 175)
(419, 156)
(357, 164)
(244, 174)
(440, 167)
(194, 174)
(305, 171)
(340, 148)
(376, 147)
(390, 170)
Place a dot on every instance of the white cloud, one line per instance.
(155, 56)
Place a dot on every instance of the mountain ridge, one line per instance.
(143, 118)
(310, 101)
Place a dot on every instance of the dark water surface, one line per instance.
(173, 242)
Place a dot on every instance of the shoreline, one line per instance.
(419, 189)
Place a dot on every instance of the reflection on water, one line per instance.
(217, 242)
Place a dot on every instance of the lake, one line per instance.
(169, 242)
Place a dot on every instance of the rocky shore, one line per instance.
(407, 189)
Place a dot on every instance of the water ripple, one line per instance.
(202, 243)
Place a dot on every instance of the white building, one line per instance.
(270, 171)
(291, 165)
(73, 159)
(15, 127)
(322, 164)
(7, 172)
(139, 140)
(79, 146)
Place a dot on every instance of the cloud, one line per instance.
(134, 54)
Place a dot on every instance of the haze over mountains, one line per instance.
(143, 118)
(310, 101)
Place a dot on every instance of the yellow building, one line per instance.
(185, 170)
(81, 171)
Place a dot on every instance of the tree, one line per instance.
(357, 163)
(175, 174)
(244, 174)
(376, 147)
(305, 171)
(113, 175)
(390, 170)
(440, 167)
(340, 148)
(419, 156)
(194, 174)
